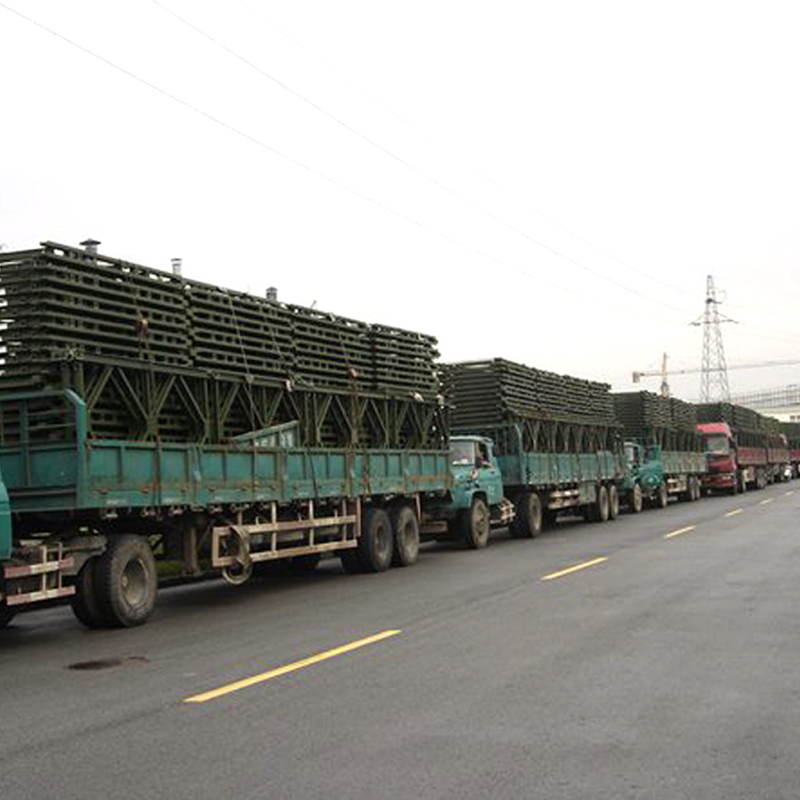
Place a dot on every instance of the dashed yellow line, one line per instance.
(570, 570)
(734, 512)
(275, 673)
(789, 493)
(767, 501)
(681, 531)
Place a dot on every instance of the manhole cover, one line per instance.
(107, 663)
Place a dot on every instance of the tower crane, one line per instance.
(639, 374)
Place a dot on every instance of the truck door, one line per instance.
(489, 474)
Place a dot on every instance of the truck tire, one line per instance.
(126, 581)
(662, 497)
(405, 527)
(635, 500)
(6, 615)
(84, 602)
(601, 510)
(613, 501)
(350, 561)
(528, 522)
(475, 525)
(306, 563)
(375, 545)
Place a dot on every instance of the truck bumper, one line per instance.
(721, 480)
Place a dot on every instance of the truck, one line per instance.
(152, 424)
(791, 432)
(745, 450)
(663, 449)
(529, 446)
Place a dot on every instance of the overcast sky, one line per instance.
(550, 182)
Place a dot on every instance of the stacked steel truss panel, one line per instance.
(653, 419)
(551, 412)
(753, 429)
(159, 357)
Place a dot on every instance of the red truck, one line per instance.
(740, 462)
(791, 430)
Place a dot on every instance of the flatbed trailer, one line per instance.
(86, 515)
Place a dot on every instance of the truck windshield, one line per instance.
(462, 453)
(717, 445)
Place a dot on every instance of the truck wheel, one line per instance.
(84, 602)
(475, 525)
(350, 561)
(601, 505)
(375, 545)
(635, 500)
(405, 527)
(662, 498)
(6, 615)
(306, 563)
(613, 502)
(528, 522)
(126, 581)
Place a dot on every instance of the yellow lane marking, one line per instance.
(789, 493)
(569, 570)
(734, 512)
(680, 531)
(765, 502)
(275, 673)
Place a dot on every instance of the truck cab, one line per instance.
(720, 449)
(475, 471)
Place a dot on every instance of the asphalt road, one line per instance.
(670, 669)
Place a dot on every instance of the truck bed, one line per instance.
(83, 474)
(560, 469)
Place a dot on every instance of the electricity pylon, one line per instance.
(714, 370)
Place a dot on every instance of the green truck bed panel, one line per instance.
(80, 473)
(110, 473)
(683, 463)
(557, 469)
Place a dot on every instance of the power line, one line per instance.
(409, 165)
(253, 140)
(471, 166)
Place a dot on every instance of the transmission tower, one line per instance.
(714, 371)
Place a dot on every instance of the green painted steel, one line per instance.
(649, 466)
(560, 469)
(92, 474)
(157, 357)
(5, 521)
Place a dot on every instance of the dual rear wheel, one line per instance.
(118, 588)
(387, 538)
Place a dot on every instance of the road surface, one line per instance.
(657, 656)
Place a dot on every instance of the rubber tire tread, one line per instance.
(636, 507)
(368, 557)
(403, 518)
(119, 551)
(529, 521)
(613, 501)
(601, 510)
(84, 602)
(468, 519)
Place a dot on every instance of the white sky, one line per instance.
(666, 134)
